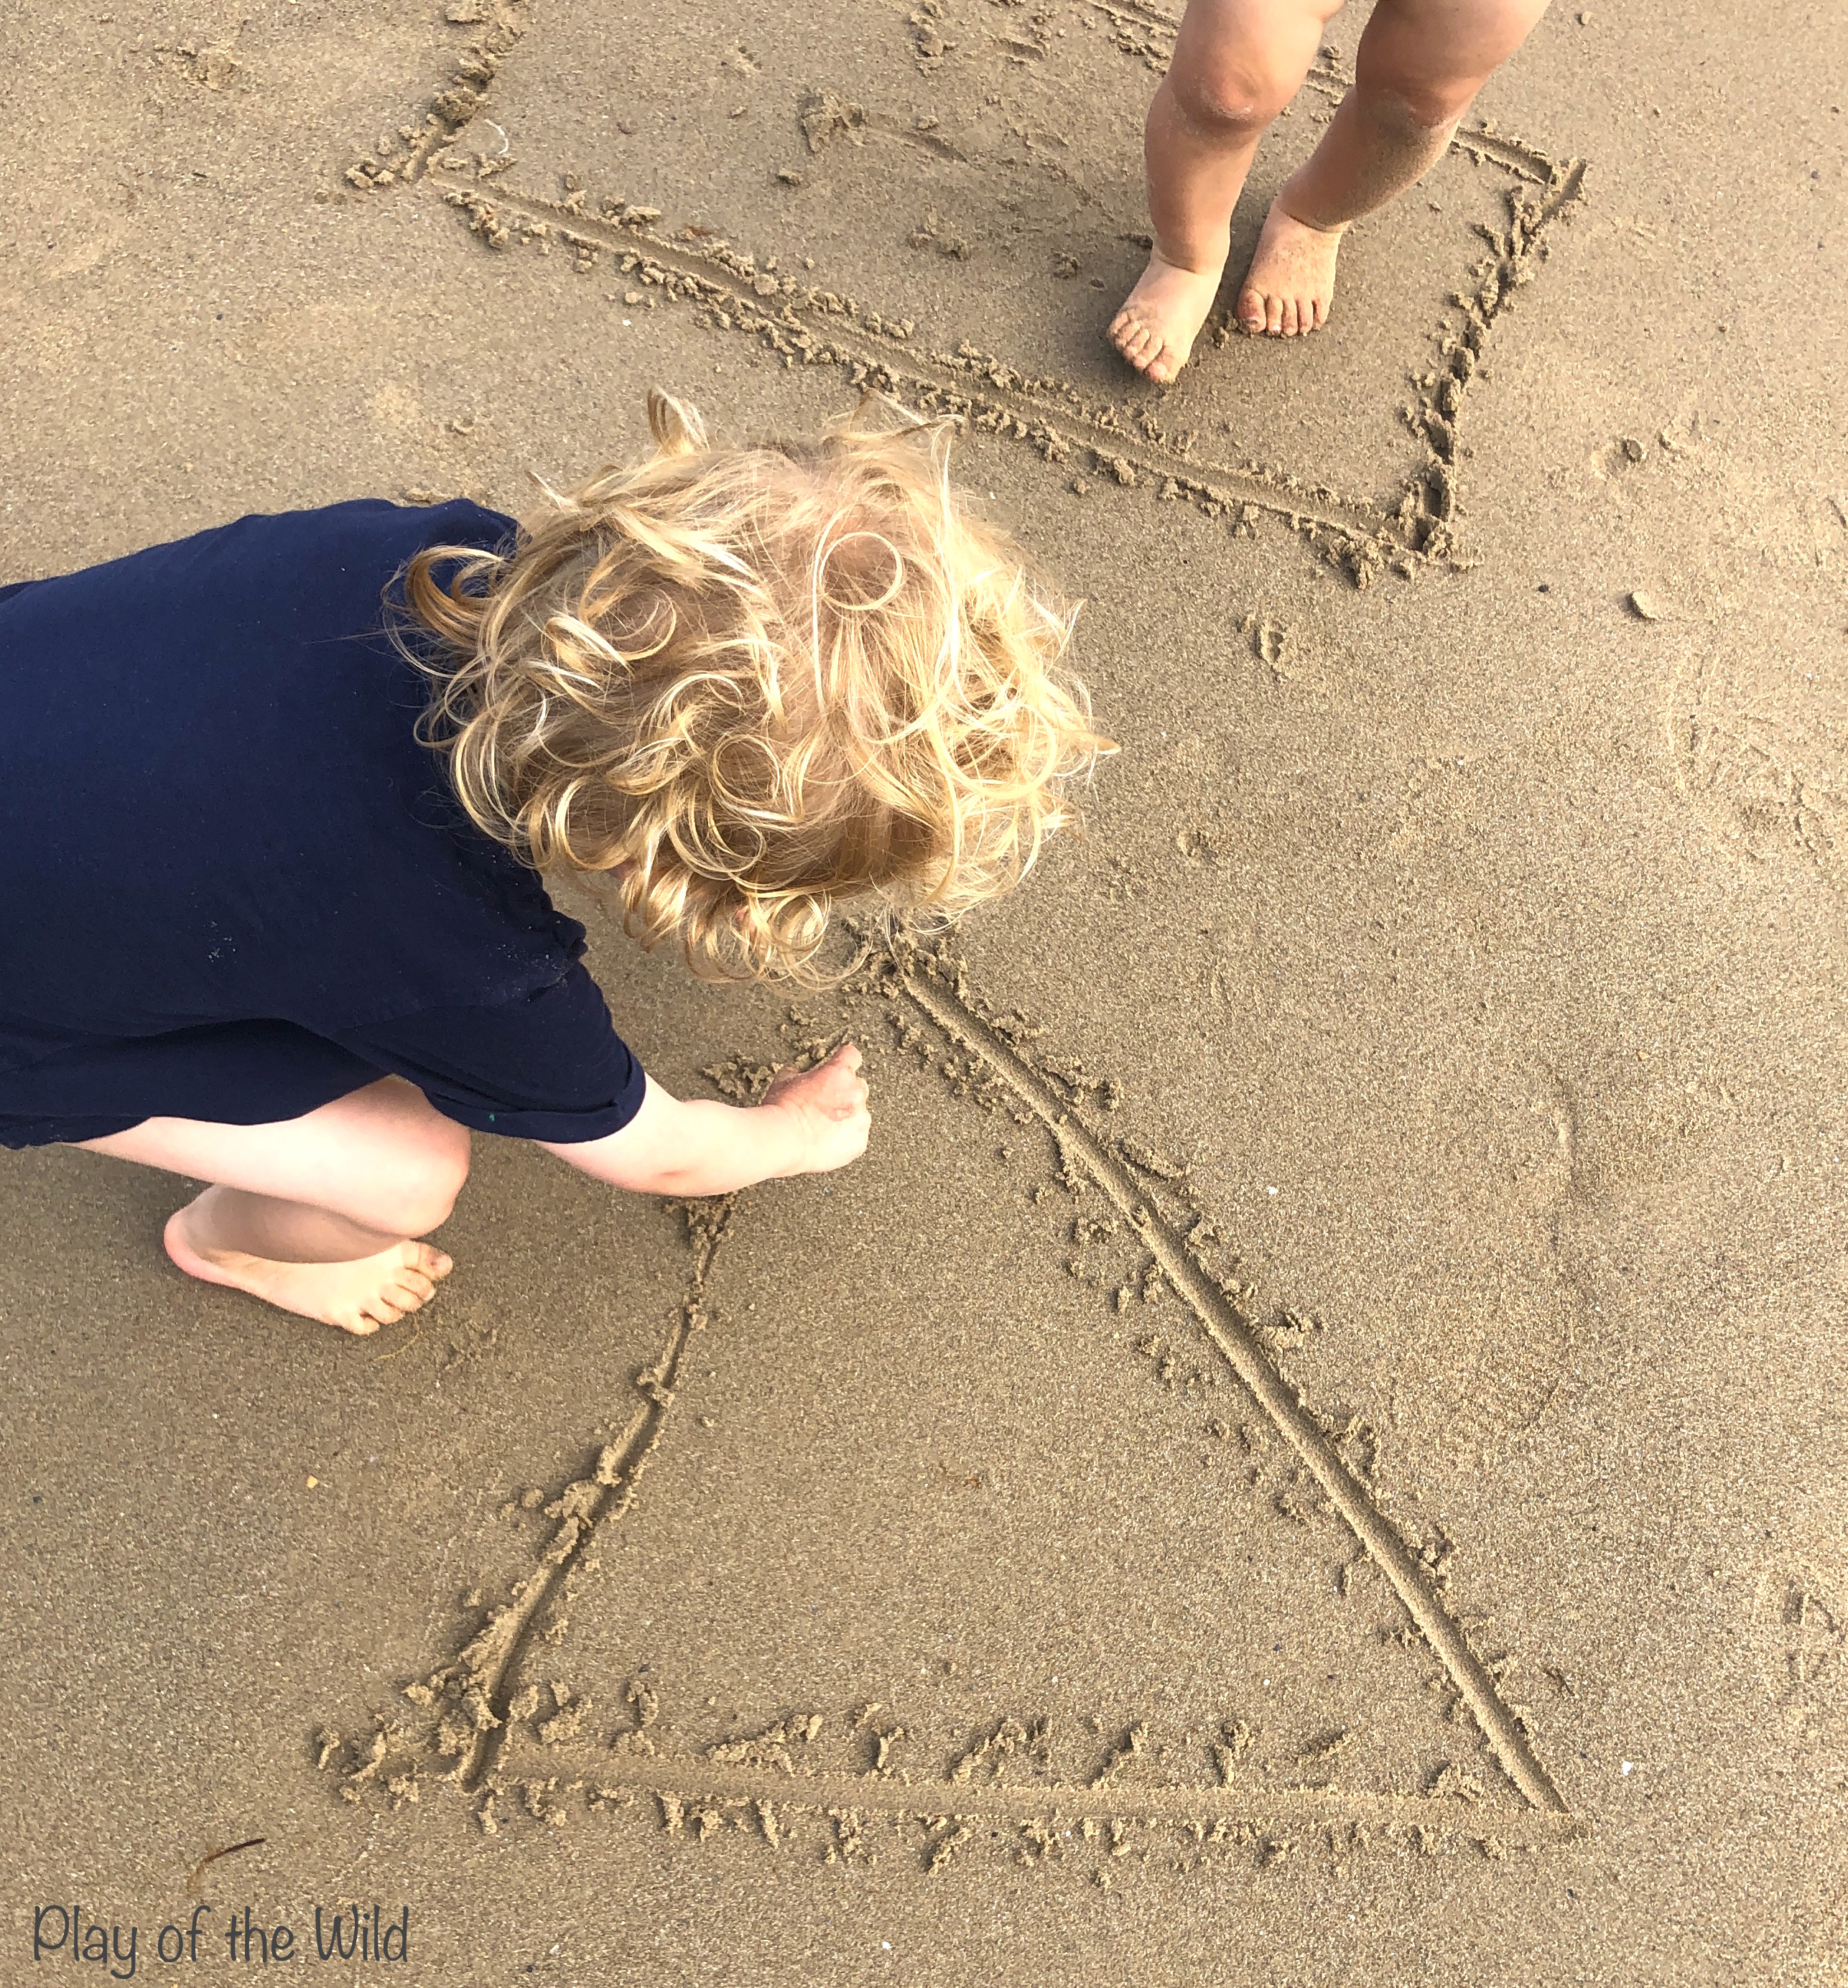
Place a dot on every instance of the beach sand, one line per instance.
(1303, 1452)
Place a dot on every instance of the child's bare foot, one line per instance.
(1162, 315)
(1290, 286)
(358, 1296)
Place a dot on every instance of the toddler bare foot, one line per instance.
(1290, 286)
(1162, 315)
(358, 1297)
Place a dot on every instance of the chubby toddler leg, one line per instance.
(316, 1215)
(1419, 66)
(1237, 63)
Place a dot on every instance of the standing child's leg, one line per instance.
(1237, 63)
(1418, 69)
(314, 1214)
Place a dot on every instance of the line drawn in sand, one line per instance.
(946, 1000)
(808, 324)
(506, 1679)
(483, 1682)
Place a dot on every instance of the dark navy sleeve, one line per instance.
(546, 1065)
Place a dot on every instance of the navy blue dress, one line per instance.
(233, 887)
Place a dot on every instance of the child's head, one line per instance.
(754, 682)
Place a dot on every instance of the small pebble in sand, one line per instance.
(1645, 605)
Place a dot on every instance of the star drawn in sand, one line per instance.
(471, 1723)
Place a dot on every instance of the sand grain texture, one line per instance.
(1304, 1453)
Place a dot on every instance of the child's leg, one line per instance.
(314, 1214)
(1418, 68)
(1237, 63)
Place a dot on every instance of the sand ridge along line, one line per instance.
(504, 1686)
(812, 327)
(472, 1700)
(403, 156)
(809, 324)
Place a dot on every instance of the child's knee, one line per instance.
(424, 1182)
(1422, 103)
(1418, 58)
(1235, 96)
(1410, 70)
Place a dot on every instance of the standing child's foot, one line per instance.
(1162, 315)
(1290, 286)
(358, 1297)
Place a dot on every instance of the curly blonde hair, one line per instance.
(752, 682)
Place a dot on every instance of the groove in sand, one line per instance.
(1232, 1333)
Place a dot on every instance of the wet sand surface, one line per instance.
(1306, 1452)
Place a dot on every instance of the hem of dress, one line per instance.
(551, 1128)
